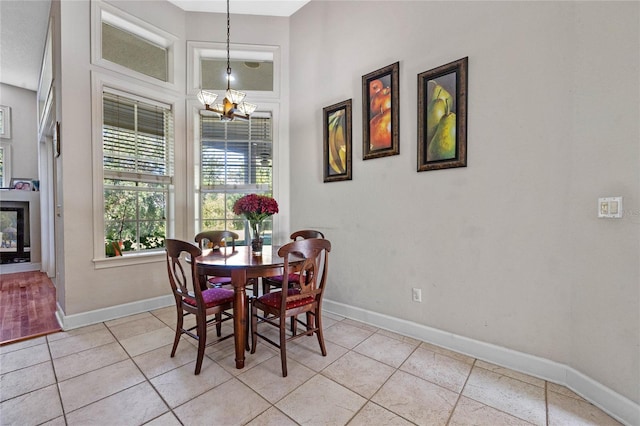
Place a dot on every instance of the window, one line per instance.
(130, 46)
(5, 165)
(137, 138)
(235, 159)
(134, 52)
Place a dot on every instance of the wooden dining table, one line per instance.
(240, 264)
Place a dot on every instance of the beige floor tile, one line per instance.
(26, 380)
(146, 342)
(133, 328)
(416, 399)
(22, 358)
(332, 316)
(75, 332)
(307, 352)
(266, 378)
(329, 320)
(520, 399)
(385, 349)
(439, 369)
(359, 324)
(168, 315)
(510, 373)
(373, 414)
(168, 419)
(472, 413)
(272, 417)
(130, 318)
(400, 337)
(22, 345)
(159, 361)
(181, 385)
(90, 387)
(80, 342)
(231, 403)
(346, 335)
(133, 406)
(225, 355)
(31, 408)
(75, 364)
(451, 354)
(321, 401)
(359, 373)
(58, 421)
(552, 387)
(565, 410)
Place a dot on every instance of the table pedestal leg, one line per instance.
(239, 280)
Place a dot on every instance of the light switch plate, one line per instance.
(610, 207)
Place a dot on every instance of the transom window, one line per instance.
(138, 171)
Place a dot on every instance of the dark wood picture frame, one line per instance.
(381, 112)
(337, 141)
(442, 117)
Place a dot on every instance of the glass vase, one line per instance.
(256, 229)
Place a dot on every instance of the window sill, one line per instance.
(129, 259)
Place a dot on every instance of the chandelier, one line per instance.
(232, 105)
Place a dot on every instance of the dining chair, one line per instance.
(192, 300)
(276, 282)
(309, 259)
(213, 239)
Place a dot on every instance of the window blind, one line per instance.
(236, 154)
(135, 139)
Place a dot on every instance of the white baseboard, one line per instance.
(614, 404)
(12, 268)
(69, 322)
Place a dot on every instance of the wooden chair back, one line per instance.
(312, 270)
(183, 279)
(216, 238)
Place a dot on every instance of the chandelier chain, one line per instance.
(228, 48)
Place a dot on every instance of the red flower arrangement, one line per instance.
(255, 207)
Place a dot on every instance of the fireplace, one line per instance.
(15, 244)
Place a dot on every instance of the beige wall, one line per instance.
(84, 288)
(507, 251)
(24, 137)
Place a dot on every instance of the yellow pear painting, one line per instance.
(441, 118)
(337, 143)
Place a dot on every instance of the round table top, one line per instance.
(240, 257)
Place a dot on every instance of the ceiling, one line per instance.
(23, 28)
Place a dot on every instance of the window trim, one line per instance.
(197, 50)
(132, 24)
(150, 94)
(6, 172)
(193, 164)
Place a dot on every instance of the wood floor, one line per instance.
(27, 306)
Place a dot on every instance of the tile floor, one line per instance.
(120, 373)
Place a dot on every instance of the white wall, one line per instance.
(24, 138)
(508, 250)
(86, 290)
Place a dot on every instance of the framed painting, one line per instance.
(381, 112)
(442, 117)
(5, 122)
(337, 141)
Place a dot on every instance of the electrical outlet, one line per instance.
(417, 295)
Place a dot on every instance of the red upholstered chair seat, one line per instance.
(293, 278)
(218, 281)
(212, 297)
(274, 299)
